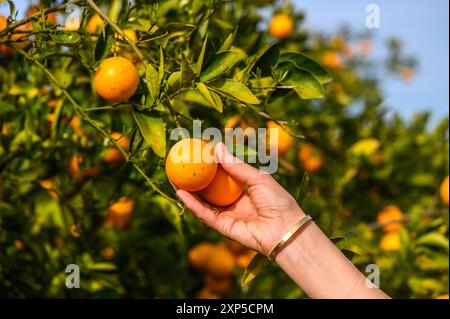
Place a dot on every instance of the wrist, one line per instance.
(287, 223)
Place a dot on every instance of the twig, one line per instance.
(117, 29)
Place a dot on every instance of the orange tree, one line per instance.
(82, 149)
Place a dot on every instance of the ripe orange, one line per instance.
(107, 252)
(113, 155)
(223, 189)
(199, 254)
(218, 284)
(4, 49)
(220, 263)
(116, 79)
(391, 215)
(443, 190)
(75, 124)
(310, 158)
(51, 17)
(18, 244)
(284, 140)
(332, 60)
(95, 24)
(74, 170)
(442, 297)
(390, 241)
(47, 184)
(205, 293)
(190, 164)
(129, 33)
(281, 26)
(119, 213)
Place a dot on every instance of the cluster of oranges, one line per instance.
(390, 217)
(310, 157)
(191, 166)
(218, 262)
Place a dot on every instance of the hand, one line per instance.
(259, 218)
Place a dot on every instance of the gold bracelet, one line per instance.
(288, 236)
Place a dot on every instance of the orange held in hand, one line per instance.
(190, 164)
(223, 190)
(116, 79)
(281, 26)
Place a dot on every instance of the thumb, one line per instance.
(236, 168)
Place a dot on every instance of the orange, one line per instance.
(391, 215)
(442, 297)
(406, 74)
(129, 33)
(310, 158)
(75, 124)
(116, 79)
(443, 190)
(74, 170)
(5, 129)
(50, 17)
(332, 60)
(47, 184)
(113, 155)
(223, 190)
(118, 214)
(390, 241)
(18, 244)
(190, 164)
(244, 260)
(220, 263)
(205, 293)
(281, 26)
(95, 24)
(199, 254)
(53, 103)
(4, 49)
(107, 252)
(284, 142)
(218, 284)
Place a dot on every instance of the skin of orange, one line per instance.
(116, 79)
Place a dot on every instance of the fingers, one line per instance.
(236, 168)
(199, 209)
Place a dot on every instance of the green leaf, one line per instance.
(187, 74)
(305, 63)
(67, 38)
(161, 64)
(256, 266)
(434, 239)
(102, 266)
(152, 130)
(304, 83)
(339, 241)
(302, 188)
(226, 45)
(350, 254)
(104, 43)
(212, 98)
(234, 89)
(152, 79)
(174, 81)
(221, 63)
(6, 107)
(202, 56)
(267, 59)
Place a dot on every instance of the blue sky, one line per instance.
(423, 26)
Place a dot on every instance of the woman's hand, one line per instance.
(259, 218)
